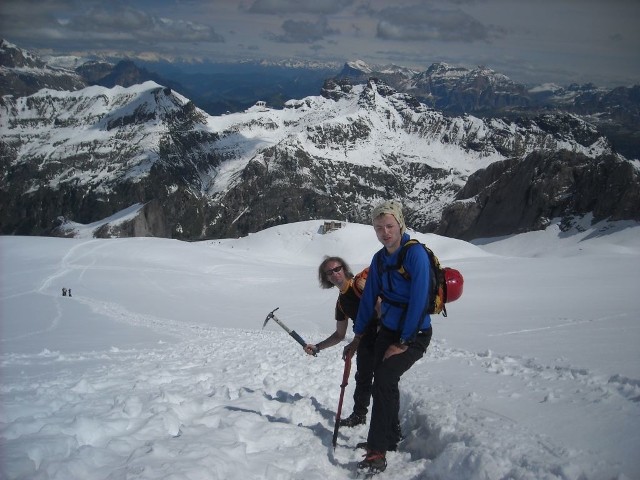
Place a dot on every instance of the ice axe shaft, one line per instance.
(293, 333)
(345, 382)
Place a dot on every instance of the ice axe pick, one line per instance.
(293, 333)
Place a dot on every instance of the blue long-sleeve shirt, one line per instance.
(404, 302)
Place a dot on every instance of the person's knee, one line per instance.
(363, 377)
(386, 379)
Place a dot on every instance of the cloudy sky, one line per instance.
(529, 40)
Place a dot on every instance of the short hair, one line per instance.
(322, 276)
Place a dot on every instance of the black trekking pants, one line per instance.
(383, 430)
(364, 373)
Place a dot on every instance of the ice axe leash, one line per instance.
(345, 382)
(293, 333)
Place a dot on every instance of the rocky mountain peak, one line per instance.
(126, 74)
(358, 67)
(13, 57)
(95, 70)
(444, 70)
(23, 73)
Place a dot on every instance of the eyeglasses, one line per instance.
(331, 271)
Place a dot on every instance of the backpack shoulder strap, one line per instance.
(399, 266)
(403, 253)
(433, 258)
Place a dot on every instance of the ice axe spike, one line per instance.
(293, 333)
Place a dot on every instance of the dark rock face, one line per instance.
(94, 71)
(335, 90)
(515, 196)
(459, 90)
(151, 221)
(290, 186)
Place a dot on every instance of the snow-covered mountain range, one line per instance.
(84, 155)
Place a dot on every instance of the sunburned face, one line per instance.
(388, 231)
(334, 271)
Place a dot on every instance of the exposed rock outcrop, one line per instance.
(514, 196)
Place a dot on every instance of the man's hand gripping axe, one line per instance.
(297, 337)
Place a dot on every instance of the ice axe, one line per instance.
(293, 333)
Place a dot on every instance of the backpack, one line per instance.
(445, 283)
(359, 281)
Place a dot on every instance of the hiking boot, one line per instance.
(353, 420)
(373, 462)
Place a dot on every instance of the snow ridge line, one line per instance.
(529, 368)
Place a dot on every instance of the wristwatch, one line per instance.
(403, 342)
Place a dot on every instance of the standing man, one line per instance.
(405, 330)
(335, 272)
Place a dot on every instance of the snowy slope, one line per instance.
(158, 367)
